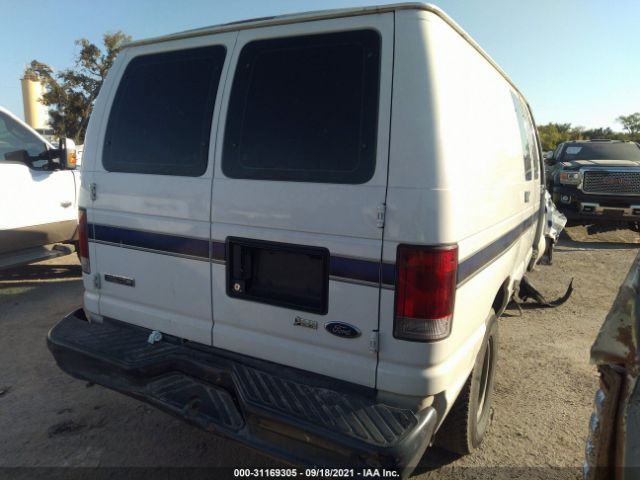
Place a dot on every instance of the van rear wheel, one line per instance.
(469, 418)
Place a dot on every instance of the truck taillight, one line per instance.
(425, 292)
(83, 240)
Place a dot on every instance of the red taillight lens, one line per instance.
(83, 240)
(425, 292)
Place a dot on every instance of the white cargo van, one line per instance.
(298, 232)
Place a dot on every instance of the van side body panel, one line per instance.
(456, 176)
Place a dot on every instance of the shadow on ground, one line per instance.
(598, 237)
(17, 276)
(566, 244)
(17, 282)
(433, 459)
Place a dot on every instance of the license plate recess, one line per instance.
(282, 274)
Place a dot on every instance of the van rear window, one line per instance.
(160, 121)
(305, 109)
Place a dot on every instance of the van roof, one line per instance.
(324, 15)
(296, 18)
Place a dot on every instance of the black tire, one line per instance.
(469, 418)
(548, 250)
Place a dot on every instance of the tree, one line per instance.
(549, 136)
(631, 123)
(71, 93)
(552, 134)
(601, 133)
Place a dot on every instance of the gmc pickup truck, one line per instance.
(595, 181)
(38, 193)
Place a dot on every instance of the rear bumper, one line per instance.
(304, 418)
(576, 205)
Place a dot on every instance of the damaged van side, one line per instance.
(300, 231)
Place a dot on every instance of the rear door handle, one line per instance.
(65, 204)
(527, 197)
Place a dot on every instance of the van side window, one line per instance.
(533, 139)
(525, 136)
(305, 109)
(161, 116)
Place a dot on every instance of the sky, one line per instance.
(576, 61)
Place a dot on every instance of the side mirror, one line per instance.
(548, 158)
(68, 156)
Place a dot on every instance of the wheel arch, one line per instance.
(501, 299)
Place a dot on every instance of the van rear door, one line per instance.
(151, 214)
(298, 195)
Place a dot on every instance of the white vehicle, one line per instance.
(38, 193)
(299, 232)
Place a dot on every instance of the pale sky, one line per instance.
(576, 61)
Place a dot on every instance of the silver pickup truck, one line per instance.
(38, 193)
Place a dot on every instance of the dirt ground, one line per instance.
(544, 385)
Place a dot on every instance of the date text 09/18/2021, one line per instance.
(315, 473)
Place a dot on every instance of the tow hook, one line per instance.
(154, 337)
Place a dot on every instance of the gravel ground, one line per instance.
(544, 383)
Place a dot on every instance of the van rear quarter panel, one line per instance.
(456, 176)
(90, 159)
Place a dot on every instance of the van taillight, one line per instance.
(425, 292)
(83, 241)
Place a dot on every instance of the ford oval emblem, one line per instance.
(341, 329)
